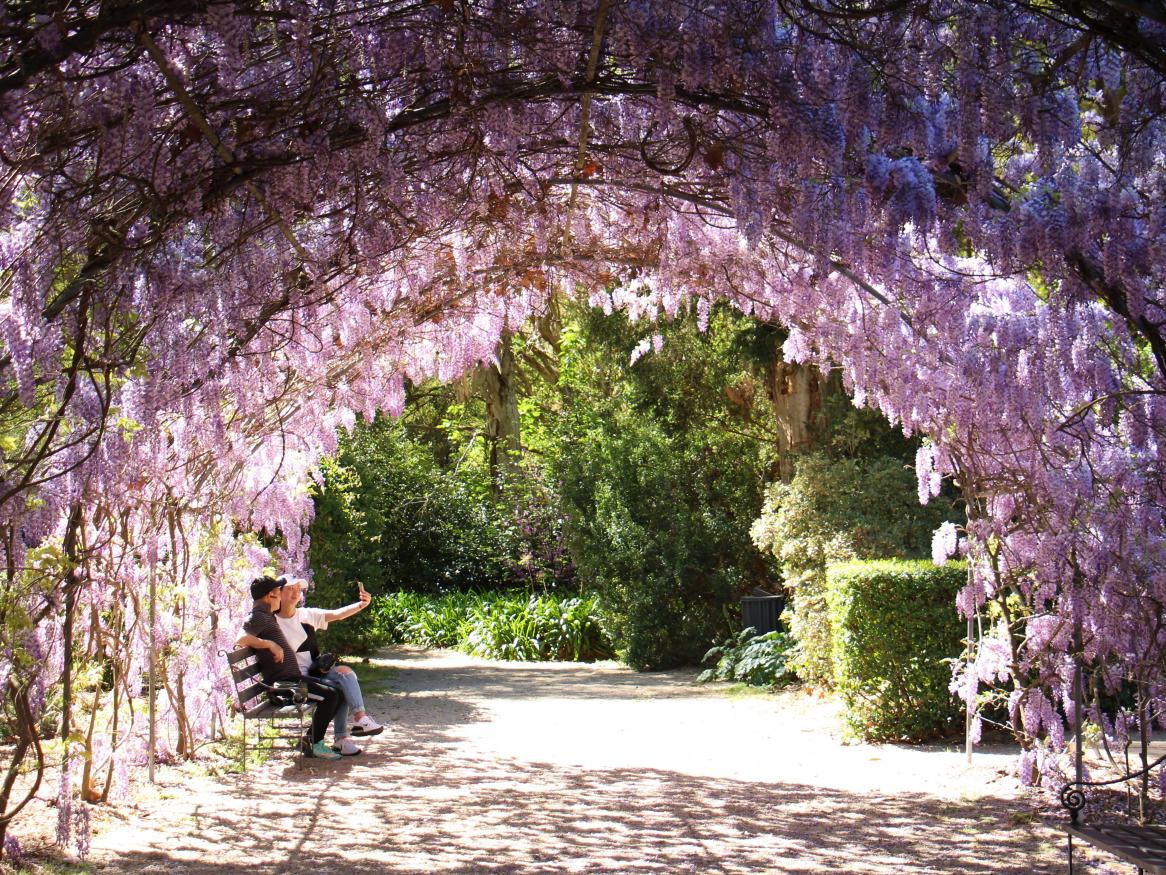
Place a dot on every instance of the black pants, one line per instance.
(325, 708)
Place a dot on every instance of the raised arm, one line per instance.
(348, 610)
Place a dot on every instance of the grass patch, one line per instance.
(374, 678)
(36, 865)
(741, 690)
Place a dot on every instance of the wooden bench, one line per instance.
(285, 721)
(1143, 845)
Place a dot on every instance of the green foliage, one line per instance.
(389, 516)
(643, 537)
(836, 509)
(660, 483)
(537, 628)
(808, 619)
(757, 660)
(844, 431)
(417, 618)
(895, 629)
(496, 625)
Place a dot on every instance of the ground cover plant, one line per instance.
(228, 229)
(497, 625)
(757, 659)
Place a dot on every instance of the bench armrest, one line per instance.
(1073, 793)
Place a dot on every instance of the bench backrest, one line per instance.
(246, 676)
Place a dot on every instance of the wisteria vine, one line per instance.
(227, 229)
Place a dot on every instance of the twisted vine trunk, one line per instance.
(72, 582)
(24, 725)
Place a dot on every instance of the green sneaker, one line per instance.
(321, 751)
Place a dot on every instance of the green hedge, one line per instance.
(838, 510)
(894, 625)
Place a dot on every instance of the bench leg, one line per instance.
(244, 746)
(1070, 854)
(300, 741)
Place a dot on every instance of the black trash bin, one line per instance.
(762, 610)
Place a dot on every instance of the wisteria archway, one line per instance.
(229, 228)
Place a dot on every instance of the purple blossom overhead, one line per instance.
(227, 229)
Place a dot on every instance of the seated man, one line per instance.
(299, 625)
(277, 662)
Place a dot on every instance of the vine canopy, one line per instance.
(228, 228)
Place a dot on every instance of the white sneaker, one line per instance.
(367, 726)
(347, 747)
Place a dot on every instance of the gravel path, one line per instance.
(512, 767)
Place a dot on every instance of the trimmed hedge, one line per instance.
(833, 511)
(894, 625)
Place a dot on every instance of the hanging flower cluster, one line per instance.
(226, 230)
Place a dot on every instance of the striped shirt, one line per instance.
(263, 624)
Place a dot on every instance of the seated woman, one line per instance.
(299, 625)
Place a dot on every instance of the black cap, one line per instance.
(261, 586)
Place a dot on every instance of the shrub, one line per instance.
(835, 510)
(430, 621)
(895, 630)
(657, 531)
(536, 628)
(534, 530)
(660, 482)
(757, 660)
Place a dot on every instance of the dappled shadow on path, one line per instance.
(412, 809)
(432, 796)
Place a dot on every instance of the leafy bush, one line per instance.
(757, 660)
(416, 618)
(535, 533)
(657, 532)
(496, 625)
(658, 490)
(389, 516)
(834, 510)
(895, 626)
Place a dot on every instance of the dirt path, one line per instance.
(510, 767)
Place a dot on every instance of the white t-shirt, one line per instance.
(293, 631)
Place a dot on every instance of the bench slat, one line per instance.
(246, 672)
(1144, 846)
(250, 694)
(239, 654)
(267, 710)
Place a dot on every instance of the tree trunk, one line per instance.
(795, 391)
(499, 389)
